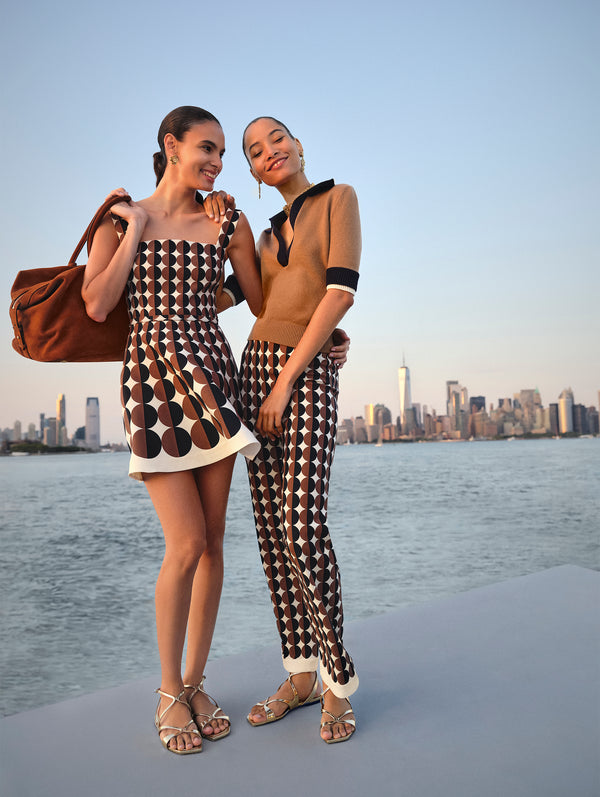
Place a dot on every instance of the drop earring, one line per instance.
(302, 162)
(259, 185)
(173, 159)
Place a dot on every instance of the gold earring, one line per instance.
(302, 163)
(173, 159)
(259, 185)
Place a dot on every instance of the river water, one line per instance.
(81, 548)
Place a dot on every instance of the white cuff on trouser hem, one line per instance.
(339, 690)
(294, 666)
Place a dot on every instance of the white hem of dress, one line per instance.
(243, 442)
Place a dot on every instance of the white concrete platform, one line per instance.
(491, 693)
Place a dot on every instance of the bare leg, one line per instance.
(177, 502)
(213, 487)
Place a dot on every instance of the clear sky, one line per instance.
(470, 131)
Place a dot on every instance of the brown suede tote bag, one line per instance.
(48, 315)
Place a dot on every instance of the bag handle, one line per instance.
(95, 223)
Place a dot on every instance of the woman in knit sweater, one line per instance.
(309, 260)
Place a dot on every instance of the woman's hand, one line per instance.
(217, 203)
(128, 210)
(271, 411)
(341, 345)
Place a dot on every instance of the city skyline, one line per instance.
(117, 436)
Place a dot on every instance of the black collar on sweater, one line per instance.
(278, 219)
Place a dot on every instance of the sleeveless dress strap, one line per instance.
(230, 221)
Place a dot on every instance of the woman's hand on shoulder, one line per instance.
(132, 212)
(217, 203)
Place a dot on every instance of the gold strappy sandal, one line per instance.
(335, 719)
(291, 703)
(208, 717)
(190, 727)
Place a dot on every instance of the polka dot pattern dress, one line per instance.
(179, 383)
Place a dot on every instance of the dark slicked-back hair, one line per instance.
(178, 122)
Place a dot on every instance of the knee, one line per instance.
(186, 555)
(215, 532)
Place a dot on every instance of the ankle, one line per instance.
(170, 688)
(303, 679)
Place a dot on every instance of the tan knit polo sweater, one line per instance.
(326, 227)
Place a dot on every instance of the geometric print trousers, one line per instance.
(289, 483)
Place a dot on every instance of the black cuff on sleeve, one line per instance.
(346, 277)
(232, 286)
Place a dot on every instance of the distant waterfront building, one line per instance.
(92, 423)
(382, 416)
(61, 411)
(580, 419)
(418, 417)
(405, 396)
(554, 425)
(452, 388)
(50, 432)
(529, 401)
(373, 432)
(370, 414)
(360, 430)
(31, 432)
(42, 425)
(390, 432)
(17, 432)
(593, 421)
(476, 403)
(409, 424)
(565, 411)
(342, 436)
(348, 425)
(539, 422)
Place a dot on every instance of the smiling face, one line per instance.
(274, 155)
(199, 155)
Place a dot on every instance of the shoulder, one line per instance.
(341, 192)
(338, 197)
(343, 205)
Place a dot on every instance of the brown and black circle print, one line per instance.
(179, 382)
(289, 480)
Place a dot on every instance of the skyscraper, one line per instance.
(92, 423)
(565, 411)
(405, 397)
(61, 420)
(452, 388)
(61, 410)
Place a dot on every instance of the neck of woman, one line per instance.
(174, 199)
(294, 187)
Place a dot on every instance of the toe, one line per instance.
(326, 732)
(256, 714)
